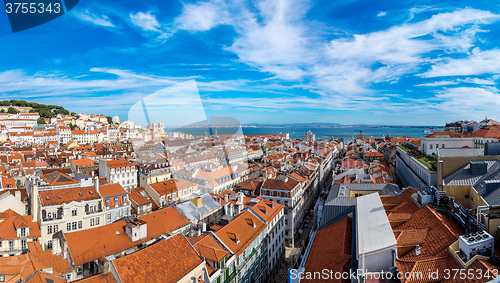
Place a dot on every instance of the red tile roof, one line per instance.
(239, 233)
(90, 244)
(208, 248)
(171, 186)
(8, 227)
(433, 231)
(111, 190)
(56, 197)
(167, 261)
(118, 163)
(331, 249)
(450, 134)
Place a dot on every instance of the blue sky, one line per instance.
(262, 61)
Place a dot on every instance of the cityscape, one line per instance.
(90, 198)
(262, 141)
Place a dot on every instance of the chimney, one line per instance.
(198, 201)
(17, 194)
(96, 184)
(440, 175)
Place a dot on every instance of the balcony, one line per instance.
(93, 212)
(51, 219)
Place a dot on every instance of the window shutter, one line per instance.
(59, 212)
(99, 206)
(87, 207)
(44, 214)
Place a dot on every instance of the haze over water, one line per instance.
(297, 132)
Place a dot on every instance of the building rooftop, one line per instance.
(460, 152)
(465, 177)
(241, 232)
(192, 212)
(374, 231)
(331, 249)
(57, 197)
(111, 190)
(171, 186)
(58, 179)
(167, 261)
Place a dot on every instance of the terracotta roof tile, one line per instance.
(167, 261)
(331, 249)
(57, 197)
(111, 190)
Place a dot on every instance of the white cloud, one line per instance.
(479, 81)
(91, 17)
(276, 37)
(145, 21)
(440, 83)
(474, 102)
(381, 14)
(203, 16)
(477, 63)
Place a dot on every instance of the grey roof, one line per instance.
(192, 212)
(80, 176)
(335, 209)
(386, 189)
(464, 177)
(339, 203)
(460, 152)
(373, 229)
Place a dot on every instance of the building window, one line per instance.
(430, 146)
(2, 278)
(466, 196)
(97, 221)
(23, 244)
(68, 226)
(91, 222)
(80, 224)
(11, 245)
(74, 212)
(73, 225)
(23, 232)
(108, 216)
(442, 145)
(49, 244)
(49, 229)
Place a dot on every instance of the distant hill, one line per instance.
(46, 111)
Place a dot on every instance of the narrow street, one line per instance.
(293, 254)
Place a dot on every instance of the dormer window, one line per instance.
(23, 232)
(233, 236)
(251, 222)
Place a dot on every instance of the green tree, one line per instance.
(2, 111)
(73, 126)
(40, 121)
(12, 110)
(110, 120)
